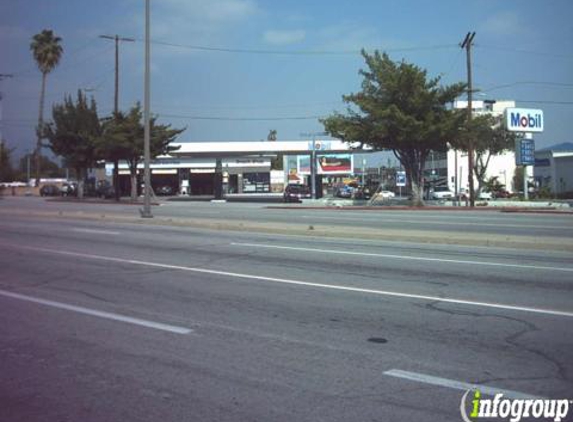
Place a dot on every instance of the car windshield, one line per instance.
(441, 189)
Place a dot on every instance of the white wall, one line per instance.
(501, 166)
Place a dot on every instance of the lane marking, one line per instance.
(306, 284)
(100, 314)
(457, 385)
(94, 231)
(442, 223)
(408, 258)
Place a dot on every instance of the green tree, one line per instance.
(49, 167)
(272, 136)
(493, 185)
(47, 53)
(73, 134)
(401, 110)
(7, 173)
(111, 149)
(123, 135)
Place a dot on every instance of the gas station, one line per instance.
(219, 168)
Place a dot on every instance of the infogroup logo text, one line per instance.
(514, 409)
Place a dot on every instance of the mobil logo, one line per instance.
(524, 120)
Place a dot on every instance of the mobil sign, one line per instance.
(524, 120)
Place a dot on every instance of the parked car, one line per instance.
(484, 196)
(502, 194)
(49, 190)
(104, 189)
(343, 191)
(441, 193)
(69, 189)
(165, 190)
(296, 192)
(362, 192)
(386, 194)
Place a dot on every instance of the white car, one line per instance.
(484, 196)
(441, 192)
(384, 194)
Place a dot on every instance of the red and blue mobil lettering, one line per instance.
(525, 120)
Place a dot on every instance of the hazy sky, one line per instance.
(237, 68)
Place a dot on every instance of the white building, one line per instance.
(554, 168)
(501, 166)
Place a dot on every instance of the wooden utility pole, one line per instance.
(117, 39)
(467, 44)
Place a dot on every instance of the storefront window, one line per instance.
(256, 182)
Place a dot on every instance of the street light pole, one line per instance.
(313, 135)
(146, 212)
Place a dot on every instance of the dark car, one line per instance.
(164, 190)
(362, 192)
(343, 191)
(49, 190)
(104, 189)
(502, 194)
(294, 193)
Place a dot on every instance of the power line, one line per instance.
(241, 119)
(509, 85)
(292, 52)
(251, 107)
(71, 54)
(546, 102)
(520, 51)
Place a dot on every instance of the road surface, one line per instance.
(120, 321)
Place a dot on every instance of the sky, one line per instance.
(232, 70)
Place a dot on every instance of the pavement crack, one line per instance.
(513, 339)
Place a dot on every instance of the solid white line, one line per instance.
(100, 314)
(446, 223)
(408, 258)
(457, 385)
(94, 231)
(307, 284)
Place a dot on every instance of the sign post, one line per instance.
(400, 180)
(526, 121)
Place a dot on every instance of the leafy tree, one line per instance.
(493, 185)
(401, 110)
(49, 167)
(7, 173)
(73, 134)
(123, 135)
(47, 53)
(108, 148)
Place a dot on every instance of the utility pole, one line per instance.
(467, 44)
(146, 212)
(117, 39)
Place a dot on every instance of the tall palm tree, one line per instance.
(47, 53)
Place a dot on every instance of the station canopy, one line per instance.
(246, 148)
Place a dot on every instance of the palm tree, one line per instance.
(47, 53)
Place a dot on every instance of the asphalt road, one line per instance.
(108, 320)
